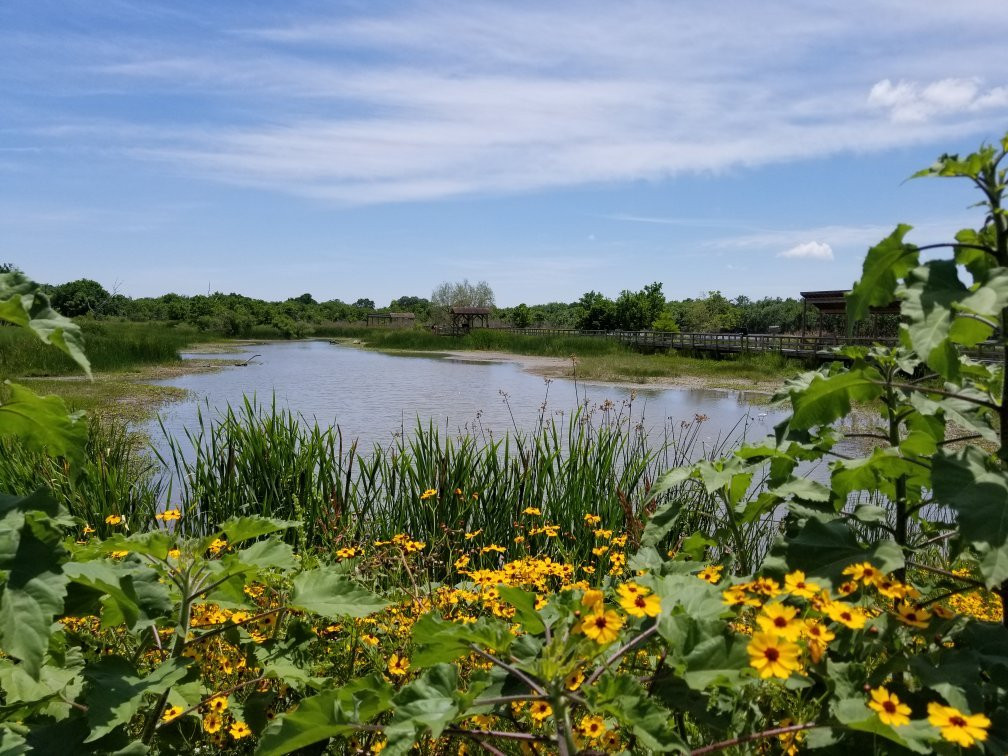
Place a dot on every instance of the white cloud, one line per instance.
(428, 101)
(910, 102)
(812, 250)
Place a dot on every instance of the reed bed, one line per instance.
(437, 486)
(111, 345)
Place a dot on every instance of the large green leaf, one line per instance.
(854, 714)
(23, 303)
(42, 423)
(327, 715)
(715, 661)
(116, 691)
(437, 640)
(424, 708)
(828, 398)
(623, 698)
(823, 548)
(524, 604)
(979, 496)
(930, 293)
(331, 594)
(134, 596)
(886, 262)
(31, 554)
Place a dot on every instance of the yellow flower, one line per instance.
(369, 639)
(773, 657)
(118, 554)
(602, 627)
(88, 529)
(641, 605)
(574, 679)
(766, 586)
(174, 553)
(711, 573)
(960, 728)
(172, 712)
(819, 637)
(592, 727)
(218, 545)
(795, 582)
(736, 594)
(378, 746)
(398, 665)
(863, 572)
(428, 494)
(212, 722)
(891, 588)
(218, 704)
(890, 710)
(540, 710)
(600, 550)
(458, 491)
(169, 514)
(462, 561)
(239, 730)
(531, 511)
(913, 616)
(113, 519)
(780, 619)
(592, 519)
(846, 614)
(592, 599)
(470, 536)
(606, 534)
(846, 589)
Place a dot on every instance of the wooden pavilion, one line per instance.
(834, 304)
(391, 319)
(466, 318)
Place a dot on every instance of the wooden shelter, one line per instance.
(833, 303)
(391, 319)
(465, 318)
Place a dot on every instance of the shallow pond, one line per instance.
(372, 395)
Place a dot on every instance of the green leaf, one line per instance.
(42, 423)
(824, 548)
(424, 708)
(438, 640)
(331, 594)
(327, 715)
(524, 604)
(979, 497)
(23, 303)
(134, 596)
(116, 691)
(269, 554)
(885, 263)
(31, 553)
(715, 661)
(623, 698)
(243, 528)
(931, 291)
(854, 714)
(828, 398)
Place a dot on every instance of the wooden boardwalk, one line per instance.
(801, 347)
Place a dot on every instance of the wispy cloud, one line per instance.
(421, 102)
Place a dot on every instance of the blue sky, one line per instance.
(375, 149)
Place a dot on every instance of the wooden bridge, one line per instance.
(818, 346)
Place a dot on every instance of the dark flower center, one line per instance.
(889, 706)
(772, 654)
(957, 721)
(780, 622)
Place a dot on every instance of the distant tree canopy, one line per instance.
(462, 294)
(238, 315)
(80, 297)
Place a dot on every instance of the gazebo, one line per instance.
(833, 303)
(465, 318)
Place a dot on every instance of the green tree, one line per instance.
(80, 297)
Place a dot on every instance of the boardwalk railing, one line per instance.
(818, 346)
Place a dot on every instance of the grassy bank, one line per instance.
(596, 358)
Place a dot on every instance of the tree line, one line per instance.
(237, 315)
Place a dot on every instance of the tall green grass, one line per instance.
(598, 460)
(118, 477)
(110, 345)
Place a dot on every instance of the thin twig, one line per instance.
(622, 650)
(513, 670)
(946, 573)
(720, 746)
